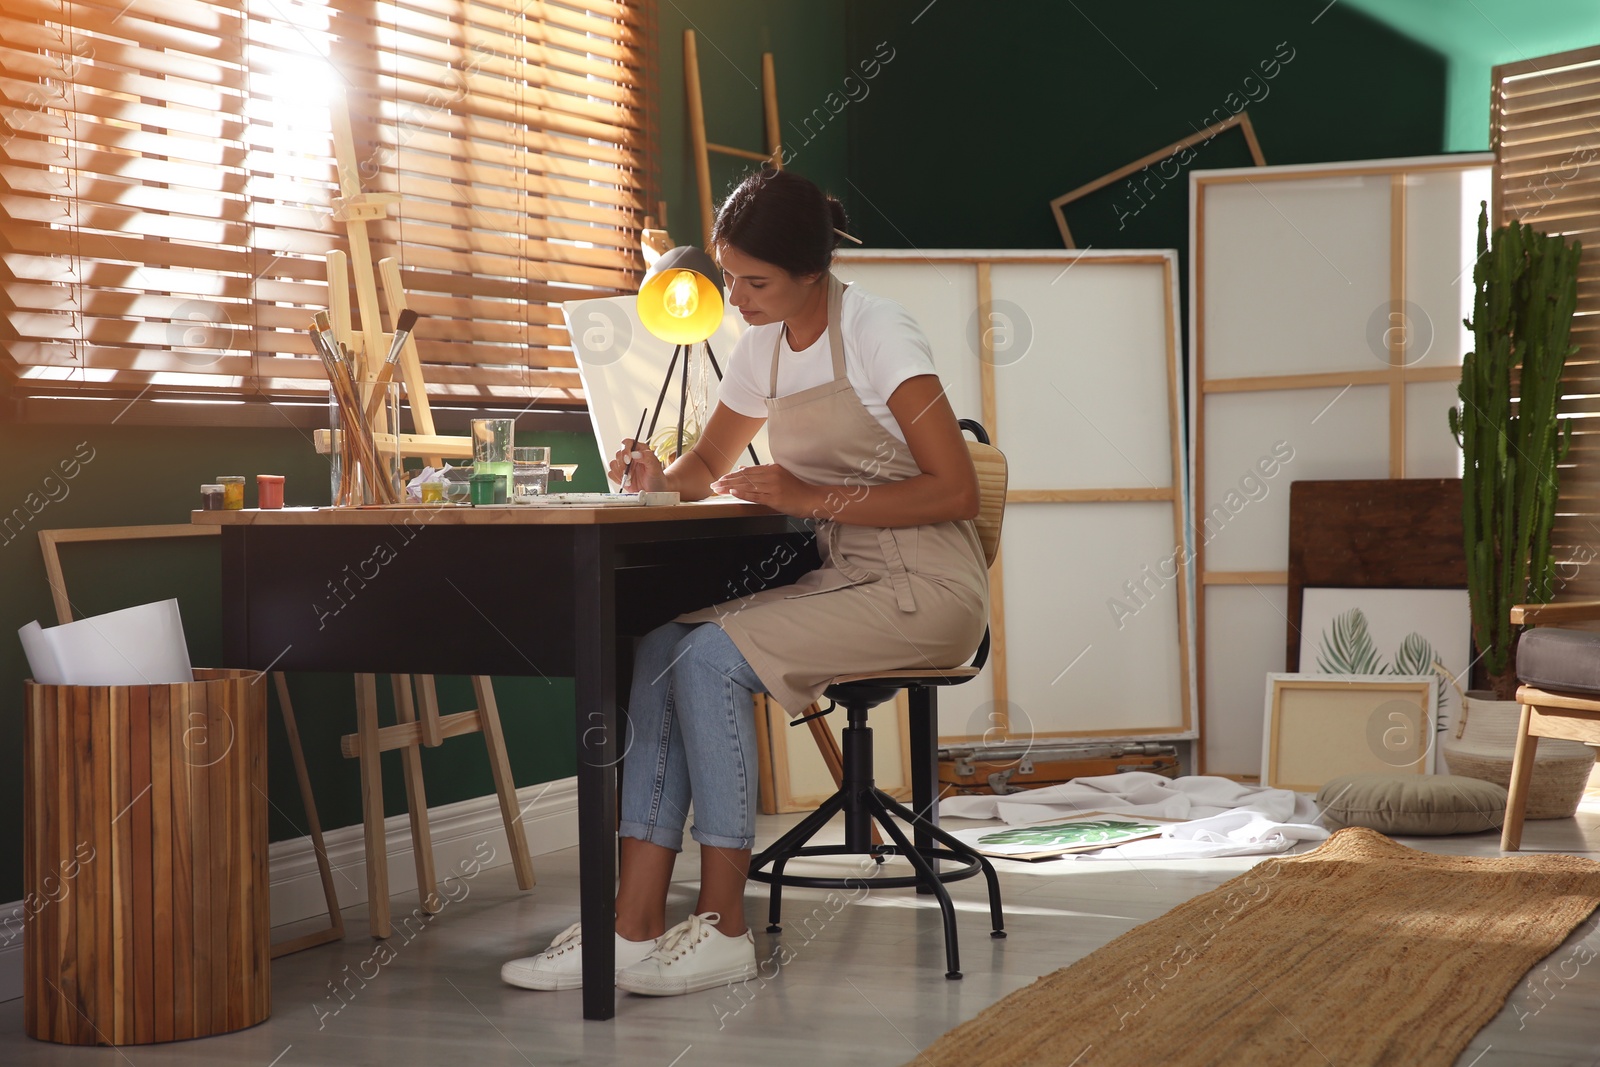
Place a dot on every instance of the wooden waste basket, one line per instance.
(145, 867)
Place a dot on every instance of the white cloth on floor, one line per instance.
(1193, 796)
(1221, 817)
(1233, 833)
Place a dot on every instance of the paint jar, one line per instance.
(486, 487)
(232, 491)
(269, 491)
(433, 491)
(211, 497)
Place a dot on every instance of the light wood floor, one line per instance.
(864, 986)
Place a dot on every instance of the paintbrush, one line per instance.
(355, 442)
(628, 463)
(402, 332)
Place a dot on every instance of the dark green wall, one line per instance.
(810, 55)
(981, 120)
(975, 115)
(146, 475)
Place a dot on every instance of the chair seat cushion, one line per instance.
(1549, 657)
(1412, 804)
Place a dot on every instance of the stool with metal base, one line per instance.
(858, 798)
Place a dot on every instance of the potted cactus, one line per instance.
(1526, 286)
(1526, 291)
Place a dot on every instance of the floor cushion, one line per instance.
(1412, 804)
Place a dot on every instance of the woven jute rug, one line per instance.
(1361, 952)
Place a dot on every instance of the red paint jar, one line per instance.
(269, 491)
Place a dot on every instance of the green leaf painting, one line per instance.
(1415, 655)
(1347, 648)
(1086, 832)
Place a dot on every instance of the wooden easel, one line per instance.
(415, 696)
(697, 127)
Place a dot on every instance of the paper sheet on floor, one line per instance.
(1223, 817)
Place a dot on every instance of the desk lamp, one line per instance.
(680, 301)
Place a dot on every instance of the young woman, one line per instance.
(863, 442)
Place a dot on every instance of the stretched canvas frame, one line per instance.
(1368, 414)
(1319, 726)
(1123, 421)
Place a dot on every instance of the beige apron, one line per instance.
(884, 598)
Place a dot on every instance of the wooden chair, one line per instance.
(1560, 694)
(862, 803)
(410, 733)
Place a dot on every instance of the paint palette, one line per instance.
(603, 500)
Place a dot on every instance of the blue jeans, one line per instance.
(691, 734)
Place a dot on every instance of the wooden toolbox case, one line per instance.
(1011, 768)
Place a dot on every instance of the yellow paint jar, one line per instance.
(232, 491)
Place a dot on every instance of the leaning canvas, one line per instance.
(1320, 726)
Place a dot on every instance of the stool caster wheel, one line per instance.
(774, 928)
(997, 934)
(952, 975)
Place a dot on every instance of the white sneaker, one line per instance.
(561, 965)
(691, 956)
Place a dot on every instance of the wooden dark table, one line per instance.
(508, 591)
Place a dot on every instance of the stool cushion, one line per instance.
(1549, 657)
(1412, 804)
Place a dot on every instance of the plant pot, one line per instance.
(1487, 742)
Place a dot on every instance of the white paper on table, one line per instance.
(141, 645)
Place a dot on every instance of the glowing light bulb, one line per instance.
(682, 297)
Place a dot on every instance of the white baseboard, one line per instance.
(549, 817)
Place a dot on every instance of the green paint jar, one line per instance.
(483, 488)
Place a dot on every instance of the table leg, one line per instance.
(596, 708)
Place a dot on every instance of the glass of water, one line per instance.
(530, 473)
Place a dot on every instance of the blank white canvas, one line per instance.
(1431, 450)
(1333, 433)
(1441, 247)
(1293, 272)
(1084, 406)
(623, 365)
(1297, 280)
(943, 299)
(1246, 630)
(1075, 663)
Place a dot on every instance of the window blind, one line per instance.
(1545, 126)
(167, 186)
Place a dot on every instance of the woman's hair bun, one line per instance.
(781, 218)
(840, 222)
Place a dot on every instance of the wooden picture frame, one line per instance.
(1241, 120)
(1319, 726)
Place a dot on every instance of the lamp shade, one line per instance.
(681, 298)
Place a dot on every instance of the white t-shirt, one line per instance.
(883, 346)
